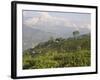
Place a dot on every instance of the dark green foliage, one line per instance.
(59, 52)
(76, 34)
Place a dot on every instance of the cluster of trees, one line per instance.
(59, 52)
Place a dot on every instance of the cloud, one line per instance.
(31, 22)
(48, 22)
(43, 17)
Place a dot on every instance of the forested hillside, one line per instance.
(60, 52)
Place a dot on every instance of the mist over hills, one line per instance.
(32, 36)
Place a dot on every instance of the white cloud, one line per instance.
(75, 26)
(46, 21)
(31, 22)
(44, 15)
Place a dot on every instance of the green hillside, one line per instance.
(59, 52)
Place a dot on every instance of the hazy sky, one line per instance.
(51, 20)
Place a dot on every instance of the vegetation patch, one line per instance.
(59, 52)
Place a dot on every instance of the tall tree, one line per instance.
(76, 34)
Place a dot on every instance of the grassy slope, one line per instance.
(59, 53)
